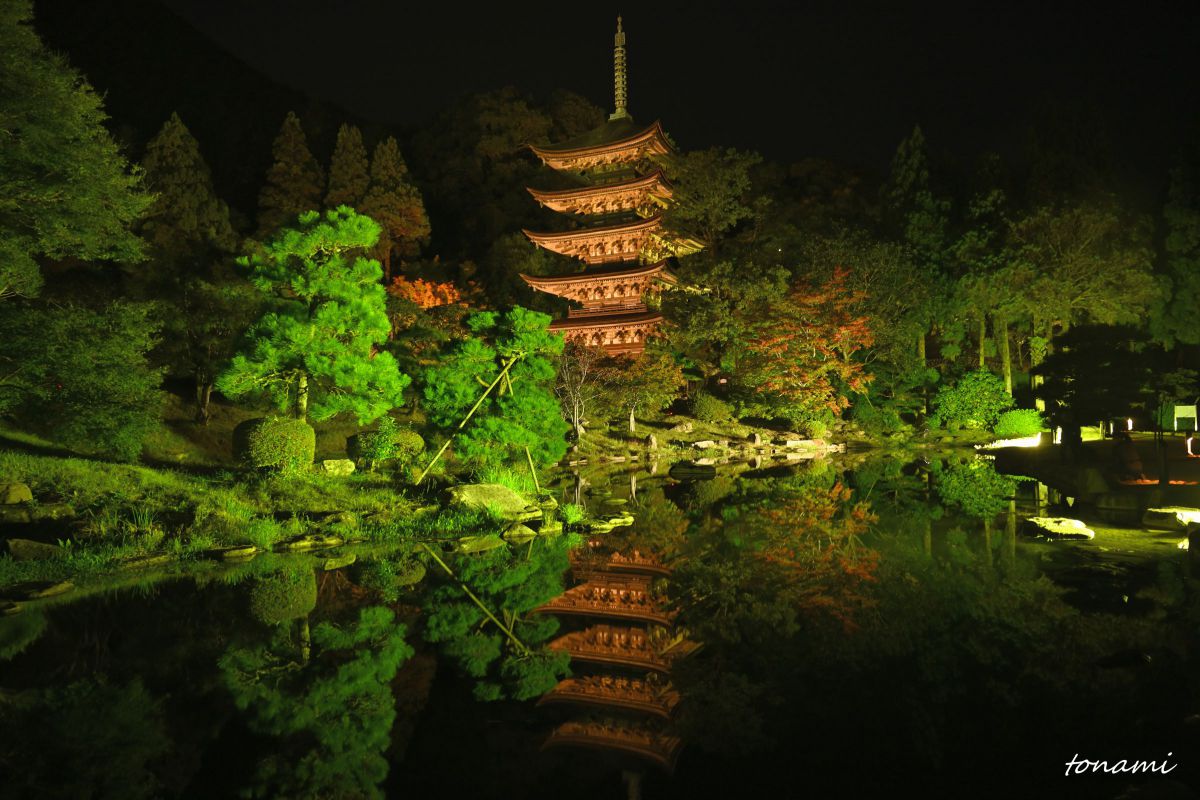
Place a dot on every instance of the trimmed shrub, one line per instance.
(283, 596)
(974, 402)
(388, 441)
(1019, 423)
(275, 443)
(707, 408)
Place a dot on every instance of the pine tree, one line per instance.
(1176, 321)
(65, 187)
(348, 175)
(294, 182)
(320, 339)
(187, 219)
(396, 205)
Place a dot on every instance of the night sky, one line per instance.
(836, 80)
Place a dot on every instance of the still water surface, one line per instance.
(846, 630)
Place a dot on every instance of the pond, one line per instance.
(828, 627)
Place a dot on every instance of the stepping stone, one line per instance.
(1057, 528)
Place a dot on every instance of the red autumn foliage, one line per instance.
(802, 351)
(425, 294)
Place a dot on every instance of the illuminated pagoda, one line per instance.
(618, 200)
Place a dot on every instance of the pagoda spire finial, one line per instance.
(619, 73)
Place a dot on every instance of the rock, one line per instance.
(518, 533)
(336, 562)
(682, 427)
(1170, 518)
(29, 550)
(704, 444)
(15, 515)
(36, 590)
(1057, 528)
(341, 520)
(652, 442)
(51, 512)
(756, 439)
(551, 528)
(614, 501)
(152, 560)
(704, 462)
(685, 471)
(337, 467)
(311, 541)
(546, 502)
(13, 493)
(501, 500)
(235, 553)
(479, 544)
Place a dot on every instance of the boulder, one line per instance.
(518, 533)
(13, 493)
(756, 439)
(337, 467)
(1057, 528)
(36, 590)
(704, 444)
(311, 541)
(652, 442)
(336, 562)
(682, 427)
(29, 550)
(501, 500)
(15, 515)
(1170, 518)
(479, 544)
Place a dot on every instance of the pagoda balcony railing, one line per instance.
(608, 307)
(654, 745)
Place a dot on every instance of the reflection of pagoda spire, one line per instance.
(619, 74)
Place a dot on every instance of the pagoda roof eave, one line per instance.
(581, 146)
(637, 226)
(538, 281)
(654, 178)
(602, 320)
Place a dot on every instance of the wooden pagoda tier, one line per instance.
(608, 290)
(606, 244)
(587, 564)
(641, 695)
(646, 741)
(630, 647)
(642, 196)
(625, 597)
(616, 144)
(617, 333)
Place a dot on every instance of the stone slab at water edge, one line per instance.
(503, 501)
(1057, 528)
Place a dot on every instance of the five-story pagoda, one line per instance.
(617, 203)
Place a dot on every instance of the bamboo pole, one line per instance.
(467, 418)
(507, 632)
(537, 488)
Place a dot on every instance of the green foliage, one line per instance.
(187, 216)
(525, 414)
(65, 188)
(649, 382)
(710, 192)
(974, 486)
(510, 583)
(1176, 322)
(395, 204)
(708, 408)
(295, 181)
(876, 418)
(19, 631)
(111, 734)
(377, 445)
(974, 401)
(276, 443)
(315, 352)
(389, 576)
(82, 375)
(284, 595)
(348, 176)
(1019, 423)
(332, 717)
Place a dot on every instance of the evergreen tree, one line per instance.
(396, 205)
(65, 187)
(348, 175)
(294, 182)
(319, 340)
(83, 375)
(187, 220)
(521, 412)
(1177, 321)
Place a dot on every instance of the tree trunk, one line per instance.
(302, 396)
(305, 641)
(921, 358)
(387, 267)
(1010, 532)
(987, 539)
(632, 421)
(1036, 354)
(982, 340)
(204, 389)
(1000, 333)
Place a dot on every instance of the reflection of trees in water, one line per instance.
(948, 658)
(510, 582)
(331, 716)
(92, 738)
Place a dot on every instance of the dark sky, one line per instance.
(839, 80)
